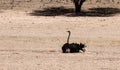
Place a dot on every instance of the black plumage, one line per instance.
(72, 47)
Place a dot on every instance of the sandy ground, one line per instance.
(34, 42)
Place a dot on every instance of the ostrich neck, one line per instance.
(68, 38)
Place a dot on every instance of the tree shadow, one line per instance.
(52, 11)
(62, 11)
(101, 12)
(1, 11)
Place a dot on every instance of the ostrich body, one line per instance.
(72, 47)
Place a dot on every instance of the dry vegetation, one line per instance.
(32, 39)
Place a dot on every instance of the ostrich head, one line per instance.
(68, 31)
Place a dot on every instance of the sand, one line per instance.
(34, 42)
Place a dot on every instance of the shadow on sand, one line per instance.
(62, 11)
(1, 11)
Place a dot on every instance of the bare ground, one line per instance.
(34, 42)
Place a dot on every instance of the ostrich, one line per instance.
(72, 47)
